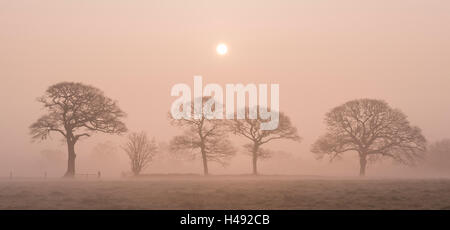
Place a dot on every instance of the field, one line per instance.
(225, 192)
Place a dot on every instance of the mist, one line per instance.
(322, 54)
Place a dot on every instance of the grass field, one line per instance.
(225, 192)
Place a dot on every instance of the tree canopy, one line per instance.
(372, 129)
(75, 110)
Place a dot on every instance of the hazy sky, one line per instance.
(322, 53)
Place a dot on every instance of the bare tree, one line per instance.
(372, 129)
(140, 150)
(75, 110)
(207, 137)
(250, 129)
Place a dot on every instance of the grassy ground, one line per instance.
(193, 192)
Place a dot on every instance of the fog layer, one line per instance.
(322, 53)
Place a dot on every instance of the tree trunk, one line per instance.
(136, 172)
(362, 163)
(71, 160)
(255, 159)
(205, 162)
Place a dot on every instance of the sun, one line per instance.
(222, 49)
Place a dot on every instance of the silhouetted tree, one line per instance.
(372, 129)
(140, 150)
(75, 110)
(250, 129)
(208, 137)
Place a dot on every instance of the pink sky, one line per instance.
(322, 53)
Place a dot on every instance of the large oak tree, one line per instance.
(372, 129)
(75, 110)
